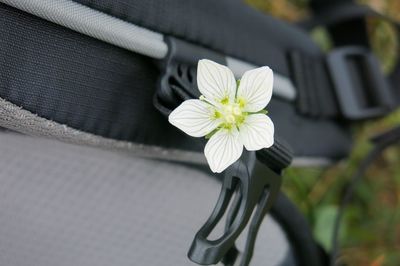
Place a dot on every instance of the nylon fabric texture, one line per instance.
(63, 204)
(96, 24)
(79, 81)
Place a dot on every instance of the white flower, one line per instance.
(233, 115)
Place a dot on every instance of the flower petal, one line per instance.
(223, 149)
(216, 82)
(256, 88)
(257, 132)
(194, 117)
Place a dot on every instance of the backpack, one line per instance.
(123, 186)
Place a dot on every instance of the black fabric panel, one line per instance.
(99, 88)
(79, 81)
(228, 26)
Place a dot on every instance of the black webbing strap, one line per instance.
(381, 142)
(315, 92)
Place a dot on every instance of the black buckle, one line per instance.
(360, 86)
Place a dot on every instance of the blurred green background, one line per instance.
(370, 232)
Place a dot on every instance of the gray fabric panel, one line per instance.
(63, 204)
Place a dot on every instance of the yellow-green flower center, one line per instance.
(232, 115)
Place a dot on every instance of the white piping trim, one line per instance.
(95, 24)
(123, 34)
(311, 162)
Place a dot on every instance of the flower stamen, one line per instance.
(241, 102)
(204, 99)
(232, 115)
(225, 100)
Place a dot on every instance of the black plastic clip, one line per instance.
(178, 73)
(257, 187)
(255, 177)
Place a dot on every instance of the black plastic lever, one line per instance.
(257, 187)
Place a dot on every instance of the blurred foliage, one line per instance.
(370, 232)
(291, 10)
